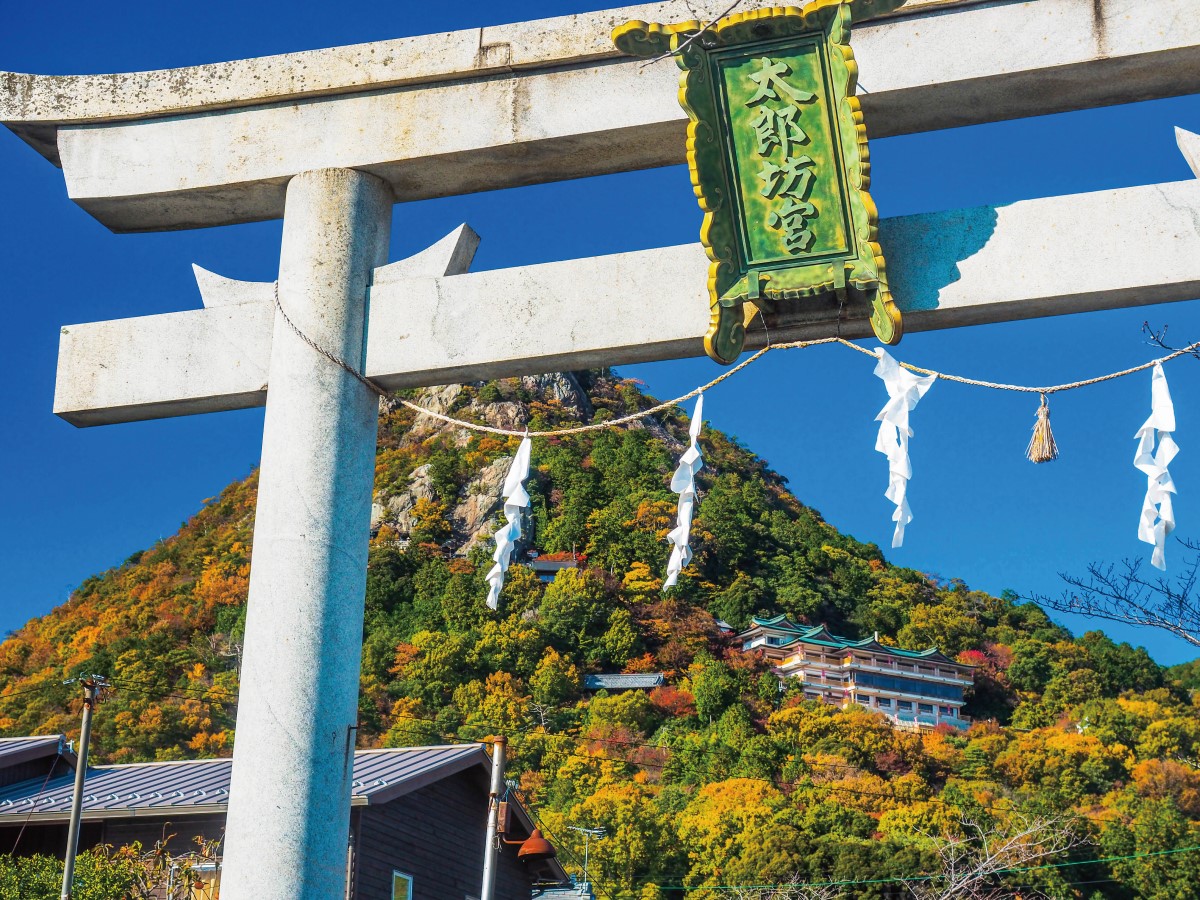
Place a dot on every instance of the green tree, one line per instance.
(430, 525)
(575, 613)
(1032, 666)
(555, 681)
(943, 626)
(741, 831)
(1155, 826)
(1070, 689)
(713, 686)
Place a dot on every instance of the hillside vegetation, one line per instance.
(719, 778)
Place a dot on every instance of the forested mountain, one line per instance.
(718, 779)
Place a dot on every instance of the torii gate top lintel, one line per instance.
(152, 151)
(35, 106)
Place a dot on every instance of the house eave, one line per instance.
(100, 815)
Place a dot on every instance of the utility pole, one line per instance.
(588, 834)
(92, 686)
(493, 842)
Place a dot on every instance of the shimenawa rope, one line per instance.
(729, 373)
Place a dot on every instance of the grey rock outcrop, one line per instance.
(397, 510)
(473, 513)
(472, 517)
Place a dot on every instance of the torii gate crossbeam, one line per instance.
(949, 269)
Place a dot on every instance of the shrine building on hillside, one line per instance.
(915, 689)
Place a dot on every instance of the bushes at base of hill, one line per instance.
(104, 873)
(98, 876)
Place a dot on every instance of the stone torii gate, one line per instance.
(329, 140)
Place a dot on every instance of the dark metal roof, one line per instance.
(202, 786)
(568, 892)
(14, 751)
(552, 565)
(381, 776)
(623, 682)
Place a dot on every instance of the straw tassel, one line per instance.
(1041, 446)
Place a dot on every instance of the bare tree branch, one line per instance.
(796, 891)
(670, 53)
(1124, 593)
(975, 862)
(1158, 337)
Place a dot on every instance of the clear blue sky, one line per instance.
(74, 502)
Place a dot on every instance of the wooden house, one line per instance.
(417, 822)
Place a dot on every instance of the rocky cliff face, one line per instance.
(473, 514)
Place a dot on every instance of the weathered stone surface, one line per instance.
(378, 514)
(451, 255)
(297, 704)
(217, 290)
(421, 59)
(472, 515)
(657, 431)
(398, 508)
(563, 106)
(562, 387)
(1189, 146)
(507, 415)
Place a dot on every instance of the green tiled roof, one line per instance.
(820, 635)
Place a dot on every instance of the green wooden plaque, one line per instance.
(778, 155)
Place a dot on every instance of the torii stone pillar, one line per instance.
(289, 806)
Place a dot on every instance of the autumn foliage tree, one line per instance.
(720, 779)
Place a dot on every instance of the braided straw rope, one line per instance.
(642, 414)
(1025, 389)
(595, 426)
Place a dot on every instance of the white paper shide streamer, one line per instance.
(905, 390)
(683, 482)
(1158, 516)
(515, 500)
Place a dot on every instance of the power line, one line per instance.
(206, 697)
(198, 693)
(779, 783)
(559, 844)
(642, 745)
(149, 688)
(154, 695)
(1015, 870)
(30, 690)
(41, 791)
(794, 784)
